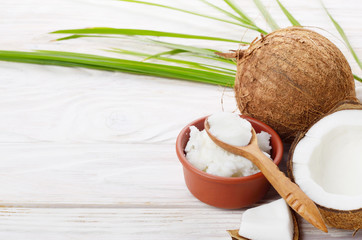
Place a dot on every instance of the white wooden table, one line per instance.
(88, 154)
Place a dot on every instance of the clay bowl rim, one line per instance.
(228, 180)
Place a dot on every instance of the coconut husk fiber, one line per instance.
(291, 77)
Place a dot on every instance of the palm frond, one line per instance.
(243, 20)
(114, 64)
(74, 36)
(190, 12)
(290, 17)
(229, 14)
(170, 66)
(195, 50)
(136, 32)
(268, 18)
(196, 65)
(357, 78)
(344, 37)
(236, 9)
(165, 53)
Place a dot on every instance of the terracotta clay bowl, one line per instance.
(226, 192)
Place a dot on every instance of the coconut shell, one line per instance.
(291, 77)
(351, 220)
(234, 234)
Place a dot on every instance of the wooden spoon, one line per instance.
(288, 190)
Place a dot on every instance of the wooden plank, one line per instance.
(132, 224)
(49, 174)
(89, 154)
(55, 104)
(91, 174)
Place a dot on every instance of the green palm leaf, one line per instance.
(357, 78)
(165, 53)
(191, 12)
(82, 36)
(344, 37)
(229, 14)
(137, 32)
(236, 8)
(268, 18)
(196, 65)
(290, 17)
(243, 19)
(187, 70)
(114, 64)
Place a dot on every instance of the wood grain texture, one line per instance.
(87, 154)
(129, 223)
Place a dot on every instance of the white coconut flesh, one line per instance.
(327, 162)
(204, 154)
(272, 221)
(230, 128)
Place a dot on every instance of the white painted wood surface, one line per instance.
(89, 154)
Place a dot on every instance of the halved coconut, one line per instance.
(326, 163)
(269, 221)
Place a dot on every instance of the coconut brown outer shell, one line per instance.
(351, 220)
(291, 77)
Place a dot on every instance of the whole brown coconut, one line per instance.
(290, 78)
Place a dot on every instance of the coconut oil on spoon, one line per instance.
(288, 190)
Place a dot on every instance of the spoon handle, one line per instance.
(288, 190)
